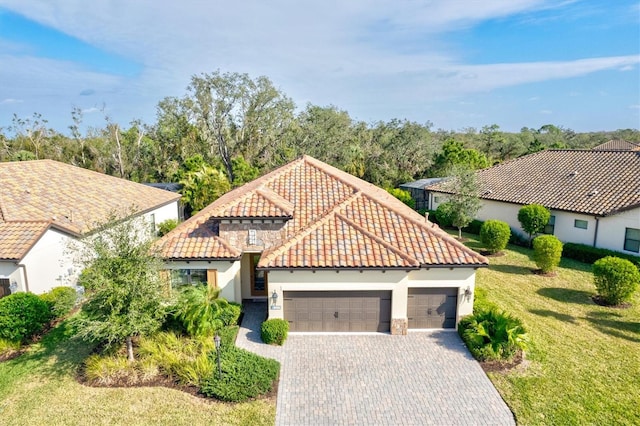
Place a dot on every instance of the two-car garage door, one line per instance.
(368, 310)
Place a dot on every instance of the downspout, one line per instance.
(595, 233)
(24, 273)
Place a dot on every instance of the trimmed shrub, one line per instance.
(244, 375)
(493, 335)
(274, 331)
(443, 215)
(473, 227)
(22, 315)
(60, 300)
(615, 279)
(533, 218)
(231, 314)
(495, 234)
(589, 254)
(547, 251)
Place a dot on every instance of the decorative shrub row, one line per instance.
(60, 300)
(22, 315)
(494, 235)
(616, 279)
(589, 254)
(274, 331)
(493, 335)
(244, 375)
(547, 251)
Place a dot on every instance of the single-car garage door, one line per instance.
(432, 307)
(337, 310)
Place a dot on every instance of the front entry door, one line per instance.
(258, 278)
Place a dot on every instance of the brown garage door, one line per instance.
(337, 310)
(432, 307)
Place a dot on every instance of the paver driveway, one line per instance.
(419, 379)
(425, 378)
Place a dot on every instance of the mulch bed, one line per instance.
(598, 300)
(503, 366)
(542, 274)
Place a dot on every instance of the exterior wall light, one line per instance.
(274, 298)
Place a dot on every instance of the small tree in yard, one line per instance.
(615, 279)
(533, 218)
(494, 235)
(124, 289)
(547, 251)
(464, 203)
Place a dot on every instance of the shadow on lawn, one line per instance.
(606, 323)
(512, 269)
(553, 314)
(567, 295)
(57, 354)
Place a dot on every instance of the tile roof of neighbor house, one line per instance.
(583, 181)
(336, 221)
(40, 194)
(618, 145)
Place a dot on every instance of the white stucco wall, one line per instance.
(228, 275)
(396, 281)
(49, 263)
(159, 215)
(612, 229)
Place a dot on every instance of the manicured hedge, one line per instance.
(274, 331)
(244, 375)
(589, 254)
(22, 315)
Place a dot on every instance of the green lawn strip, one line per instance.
(584, 363)
(39, 388)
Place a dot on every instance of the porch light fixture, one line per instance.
(274, 298)
(216, 341)
(467, 292)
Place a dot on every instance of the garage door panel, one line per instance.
(432, 307)
(338, 310)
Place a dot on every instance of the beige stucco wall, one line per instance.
(49, 263)
(398, 281)
(228, 275)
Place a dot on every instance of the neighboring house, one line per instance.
(45, 204)
(618, 145)
(594, 196)
(416, 189)
(329, 251)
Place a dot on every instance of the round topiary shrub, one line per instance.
(615, 279)
(22, 315)
(274, 331)
(60, 300)
(547, 251)
(494, 235)
(443, 215)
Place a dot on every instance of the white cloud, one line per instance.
(635, 106)
(546, 111)
(8, 101)
(534, 98)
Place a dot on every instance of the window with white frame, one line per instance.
(581, 224)
(632, 240)
(253, 237)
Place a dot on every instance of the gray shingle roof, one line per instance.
(617, 145)
(583, 181)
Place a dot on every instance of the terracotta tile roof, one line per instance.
(618, 145)
(582, 181)
(338, 221)
(18, 237)
(69, 198)
(197, 241)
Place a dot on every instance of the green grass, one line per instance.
(39, 388)
(584, 364)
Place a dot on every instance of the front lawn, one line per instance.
(584, 363)
(39, 388)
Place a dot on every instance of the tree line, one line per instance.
(228, 128)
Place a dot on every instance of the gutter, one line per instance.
(595, 234)
(26, 280)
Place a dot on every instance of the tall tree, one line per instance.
(237, 115)
(124, 290)
(464, 203)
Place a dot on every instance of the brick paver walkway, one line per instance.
(426, 378)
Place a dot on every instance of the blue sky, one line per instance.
(457, 64)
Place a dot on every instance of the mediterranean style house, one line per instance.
(593, 195)
(330, 252)
(45, 204)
